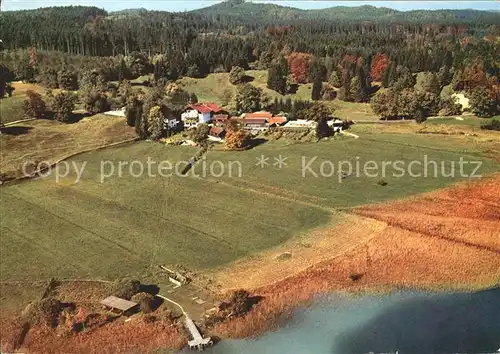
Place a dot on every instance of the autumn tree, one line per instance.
(298, 64)
(328, 93)
(430, 83)
(236, 138)
(385, 104)
(34, 106)
(236, 75)
(380, 63)
(449, 107)
(63, 105)
(317, 111)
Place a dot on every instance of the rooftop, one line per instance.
(118, 303)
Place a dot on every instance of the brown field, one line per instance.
(48, 140)
(440, 241)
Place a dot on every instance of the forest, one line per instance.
(357, 50)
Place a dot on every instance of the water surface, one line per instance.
(408, 322)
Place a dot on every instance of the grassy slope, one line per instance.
(11, 108)
(48, 140)
(125, 225)
(212, 87)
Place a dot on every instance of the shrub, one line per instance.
(34, 106)
(382, 182)
(237, 75)
(494, 125)
(145, 301)
(45, 311)
(63, 106)
(126, 288)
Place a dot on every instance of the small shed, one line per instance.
(118, 304)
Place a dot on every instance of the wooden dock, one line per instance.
(198, 342)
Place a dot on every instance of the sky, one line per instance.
(186, 5)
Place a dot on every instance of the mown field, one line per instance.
(329, 189)
(125, 225)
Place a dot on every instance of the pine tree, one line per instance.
(316, 89)
(278, 76)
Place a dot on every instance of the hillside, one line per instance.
(272, 12)
(214, 87)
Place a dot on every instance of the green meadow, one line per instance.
(127, 224)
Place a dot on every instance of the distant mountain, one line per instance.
(272, 12)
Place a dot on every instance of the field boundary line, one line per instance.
(8, 124)
(37, 172)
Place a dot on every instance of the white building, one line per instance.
(199, 113)
(300, 123)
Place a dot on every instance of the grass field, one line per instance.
(125, 225)
(467, 120)
(11, 108)
(50, 140)
(326, 190)
(212, 88)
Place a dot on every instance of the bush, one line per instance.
(45, 311)
(34, 106)
(448, 107)
(63, 106)
(494, 125)
(382, 182)
(145, 301)
(126, 288)
(237, 75)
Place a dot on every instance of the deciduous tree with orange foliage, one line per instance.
(235, 137)
(380, 63)
(298, 64)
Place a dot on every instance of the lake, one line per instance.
(408, 322)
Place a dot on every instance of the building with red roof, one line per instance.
(199, 113)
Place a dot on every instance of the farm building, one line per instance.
(300, 123)
(259, 115)
(277, 121)
(217, 132)
(220, 120)
(117, 304)
(199, 113)
(255, 123)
